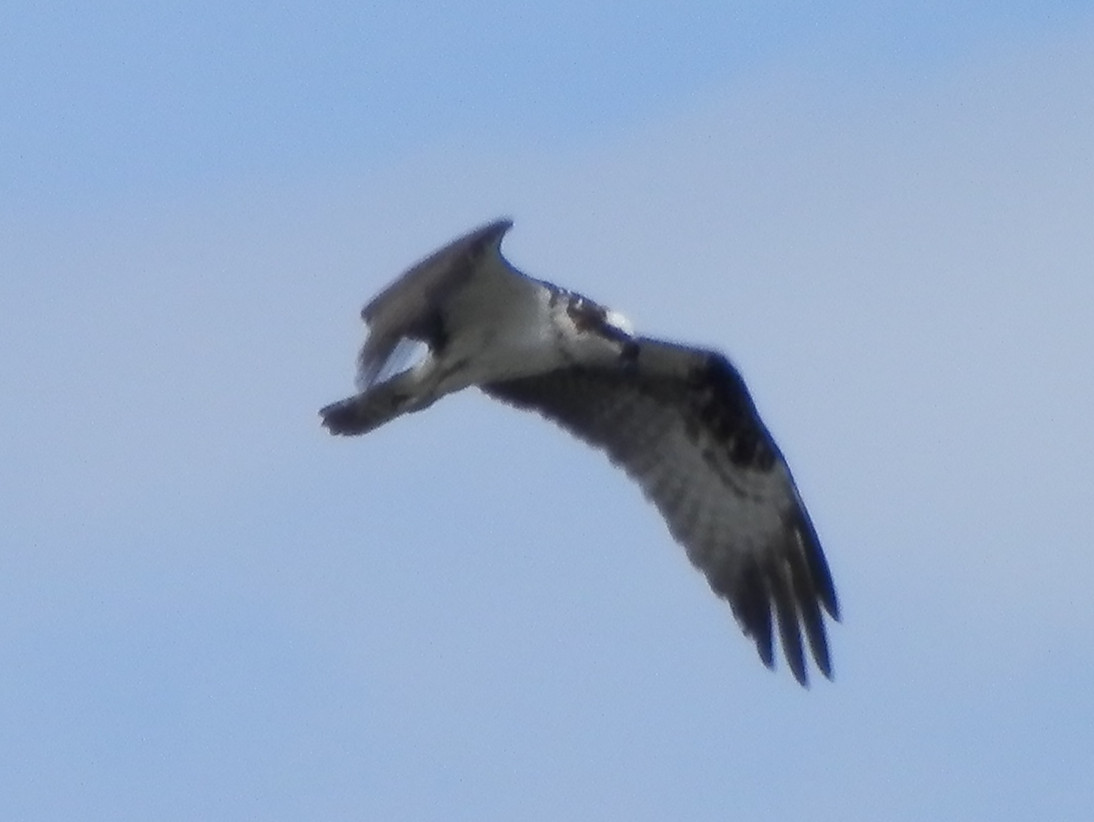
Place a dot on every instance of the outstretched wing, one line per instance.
(681, 423)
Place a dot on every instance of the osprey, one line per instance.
(677, 419)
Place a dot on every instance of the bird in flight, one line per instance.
(677, 419)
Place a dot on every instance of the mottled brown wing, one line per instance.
(681, 423)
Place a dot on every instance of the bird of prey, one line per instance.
(677, 419)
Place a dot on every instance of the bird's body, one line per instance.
(677, 419)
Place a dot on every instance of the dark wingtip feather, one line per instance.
(344, 418)
(818, 573)
(786, 613)
(814, 633)
(779, 595)
(369, 410)
(747, 595)
(807, 599)
(765, 645)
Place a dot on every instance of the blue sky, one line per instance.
(211, 610)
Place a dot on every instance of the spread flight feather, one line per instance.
(678, 420)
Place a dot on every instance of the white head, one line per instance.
(619, 322)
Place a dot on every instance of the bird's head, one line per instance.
(619, 322)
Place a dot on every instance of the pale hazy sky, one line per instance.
(210, 610)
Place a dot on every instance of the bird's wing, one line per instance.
(409, 308)
(681, 423)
